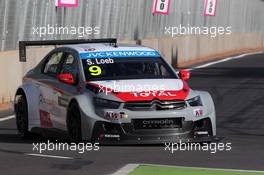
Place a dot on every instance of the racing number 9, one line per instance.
(95, 70)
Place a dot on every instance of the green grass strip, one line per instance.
(161, 170)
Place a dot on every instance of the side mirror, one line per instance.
(185, 75)
(66, 78)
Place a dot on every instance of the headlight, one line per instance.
(196, 101)
(103, 103)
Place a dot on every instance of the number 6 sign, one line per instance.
(161, 6)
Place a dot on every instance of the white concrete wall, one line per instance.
(12, 71)
(194, 49)
(191, 50)
(130, 19)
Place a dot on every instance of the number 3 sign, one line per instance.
(161, 6)
(210, 7)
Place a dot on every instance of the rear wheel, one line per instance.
(74, 122)
(21, 112)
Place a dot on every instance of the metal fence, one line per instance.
(124, 19)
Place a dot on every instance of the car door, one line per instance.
(46, 85)
(63, 91)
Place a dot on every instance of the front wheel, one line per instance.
(21, 112)
(74, 122)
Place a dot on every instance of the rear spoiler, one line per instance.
(24, 44)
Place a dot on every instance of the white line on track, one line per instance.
(126, 169)
(223, 60)
(48, 156)
(7, 118)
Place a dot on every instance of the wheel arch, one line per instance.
(72, 101)
(87, 114)
(19, 92)
(31, 94)
(208, 103)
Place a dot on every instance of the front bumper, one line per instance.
(125, 133)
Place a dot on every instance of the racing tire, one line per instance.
(21, 112)
(74, 122)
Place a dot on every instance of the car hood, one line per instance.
(145, 89)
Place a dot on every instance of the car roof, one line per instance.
(102, 47)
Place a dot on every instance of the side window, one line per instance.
(69, 65)
(53, 64)
(164, 72)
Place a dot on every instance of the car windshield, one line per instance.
(96, 69)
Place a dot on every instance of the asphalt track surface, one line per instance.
(237, 87)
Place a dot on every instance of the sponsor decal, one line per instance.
(119, 54)
(109, 136)
(63, 101)
(198, 112)
(161, 7)
(155, 94)
(45, 101)
(90, 50)
(158, 122)
(66, 3)
(210, 7)
(45, 119)
(110, 115)
(112, 136)
(149, 96)
(201, 133)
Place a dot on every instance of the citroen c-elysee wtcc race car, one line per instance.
(98, 90)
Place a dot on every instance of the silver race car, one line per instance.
(101, 91)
